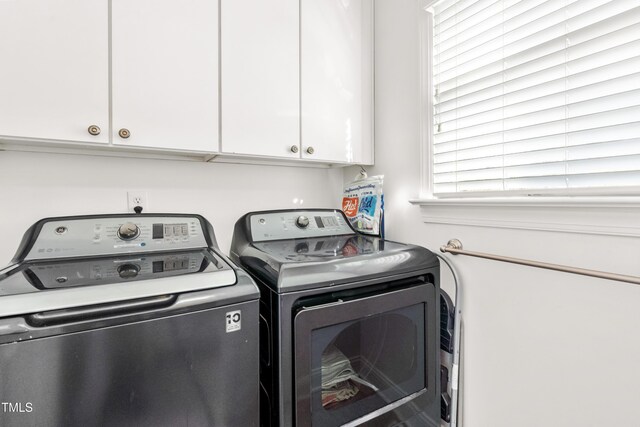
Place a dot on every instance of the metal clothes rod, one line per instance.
(454, 246)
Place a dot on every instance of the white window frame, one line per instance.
(584, 211)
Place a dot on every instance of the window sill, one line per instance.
(614, 216)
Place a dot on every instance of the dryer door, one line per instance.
(361, 359)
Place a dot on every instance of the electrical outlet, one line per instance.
(137, 198)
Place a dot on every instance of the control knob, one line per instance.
(302, 221)
(128, 231)
(302, 248)
(128, 271)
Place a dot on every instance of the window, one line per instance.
(536, 97)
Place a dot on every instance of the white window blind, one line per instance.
(536, 96)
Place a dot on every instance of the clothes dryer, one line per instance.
(350, 324)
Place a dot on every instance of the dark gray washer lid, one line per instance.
(291, 265)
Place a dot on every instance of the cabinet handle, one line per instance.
(94, 130)
(294, 148)
(310, 150)
(124, 133)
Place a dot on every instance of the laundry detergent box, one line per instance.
(363, 204)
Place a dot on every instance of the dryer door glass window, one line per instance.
(358, 366)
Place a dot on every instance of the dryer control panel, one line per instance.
(116, 234)
(297, 224)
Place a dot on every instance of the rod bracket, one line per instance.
(452, 244)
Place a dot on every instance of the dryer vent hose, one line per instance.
(455, 377)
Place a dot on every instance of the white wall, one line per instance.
(541, 348)
(38, 185)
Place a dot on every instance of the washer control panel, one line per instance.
(296, 224)
(63, 238)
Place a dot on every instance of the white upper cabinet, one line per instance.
(337, 80)
(286, 79)
(165, 74)
(54, 70)
(260, 63)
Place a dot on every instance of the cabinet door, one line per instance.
(54, 69)
(337, 80)
(260, 65)
(165, 74)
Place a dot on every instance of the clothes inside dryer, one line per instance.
(367, 363)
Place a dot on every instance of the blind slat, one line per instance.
(538, 86)
(511, 35)
(537, 99)
(536, 95)
(536, 185)
(622, 26)
(599, 153)
(544, 122)
(460, 148)
(556, 167)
